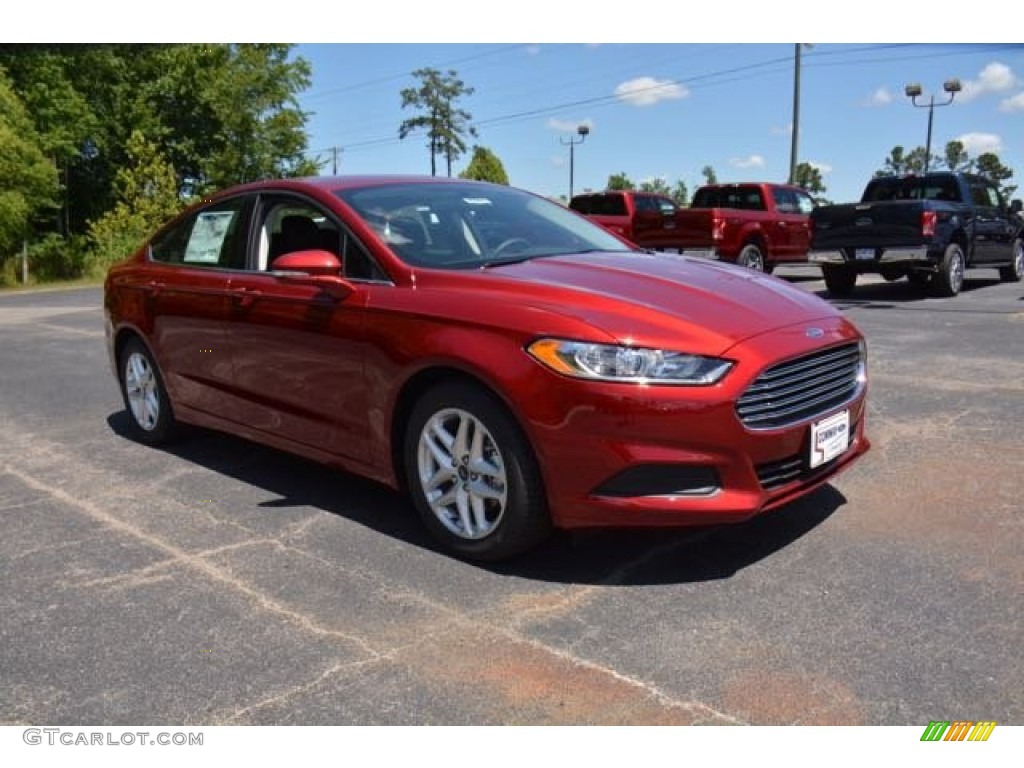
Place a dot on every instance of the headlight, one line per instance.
(613, 362)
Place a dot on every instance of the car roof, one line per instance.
(339, 183)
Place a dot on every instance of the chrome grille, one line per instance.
(802, 388)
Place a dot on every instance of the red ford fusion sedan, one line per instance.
(509, 364)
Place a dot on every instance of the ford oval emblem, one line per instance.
(814, 333)
(863, 221)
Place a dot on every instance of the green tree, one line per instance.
(900, 162)
(220, 114)
(680, 193)
(485, 166)
(991, 167)
(657, 185)
(956, 157)
(809, 177)
(709, 175)
(619, 181)
(28, 179)
(445, 124)
(147, 192)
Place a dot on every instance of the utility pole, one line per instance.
(796, 113)
(334, 156)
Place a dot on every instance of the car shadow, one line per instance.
(898, 294)
(605, 556)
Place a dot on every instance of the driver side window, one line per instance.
(291, 224)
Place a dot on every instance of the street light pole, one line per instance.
(952, 87)
(583, 131)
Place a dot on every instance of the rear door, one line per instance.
(188, 289)
(993, 228)
(648, 222)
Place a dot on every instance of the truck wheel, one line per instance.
(950, 278)
(1015, 272)
(839, 279)
(751, 258)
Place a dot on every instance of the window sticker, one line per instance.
(207, 238)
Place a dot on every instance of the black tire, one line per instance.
(950, 278)
(751, 257)
(769, 267)
(507, 512)
(892, 274)
(1015, 272)
(839, 279)
(150, 415)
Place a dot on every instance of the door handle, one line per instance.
(244, 297)
(154, 287)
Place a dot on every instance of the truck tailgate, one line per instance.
(868, 225)
(693, 227)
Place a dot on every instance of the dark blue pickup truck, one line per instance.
(927, 228)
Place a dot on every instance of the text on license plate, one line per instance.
(829, 438)
(864, 254)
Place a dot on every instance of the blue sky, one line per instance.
(670, 109)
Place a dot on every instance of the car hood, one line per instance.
(650, 298)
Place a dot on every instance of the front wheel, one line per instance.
(751, 258)
(839, 279)
(472, 474)
(950, 278)
(1015, 272)
(145, 397)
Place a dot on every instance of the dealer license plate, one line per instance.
(829, 438)
(864, 254)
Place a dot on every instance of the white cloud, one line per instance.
(645, 91)
(823, 168)
(979, 143)
(781, 130)
(879, 98)
(568, 126)
(994, 78)
(1013, 104)
(754, 161)
(557, 161)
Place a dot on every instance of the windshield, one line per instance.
(466, 226)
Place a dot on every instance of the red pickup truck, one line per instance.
(756, 224)
(644, 218)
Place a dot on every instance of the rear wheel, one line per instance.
(751, 257)
(839, 279)
(145, 397)
(1015, 272)
(950, 278)
(472, 474)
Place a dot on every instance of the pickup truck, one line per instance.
(645, 219)
(927, 228)
(756, 224)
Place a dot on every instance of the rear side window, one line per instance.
(742, 198)
(212, 237)
(611, 204)
(785, 200)
(911, 188)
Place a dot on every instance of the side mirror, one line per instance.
(316, 268)
(1015, 206)
(315, 262)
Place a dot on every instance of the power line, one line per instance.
(705, 80)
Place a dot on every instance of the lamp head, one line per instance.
(913, 90)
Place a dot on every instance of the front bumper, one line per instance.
(589, 437)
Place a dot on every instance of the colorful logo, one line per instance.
(960, 730)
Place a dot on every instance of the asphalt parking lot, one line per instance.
(220, 582)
